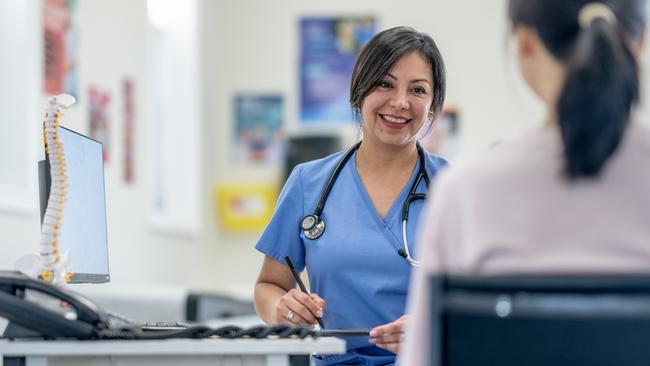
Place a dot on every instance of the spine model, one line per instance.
(54, 266)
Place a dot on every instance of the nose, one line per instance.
(399, 99)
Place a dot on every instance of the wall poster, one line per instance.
(129, 138)
(61, 47)
(98, 115)
(443, 138)
(329, 48)
(258, 129)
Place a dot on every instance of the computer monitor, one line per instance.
(83, 230)
(540, 320)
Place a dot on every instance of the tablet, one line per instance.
(344, 332)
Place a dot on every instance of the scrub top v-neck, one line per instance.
(354, 265)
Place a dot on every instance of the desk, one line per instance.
(216, 352)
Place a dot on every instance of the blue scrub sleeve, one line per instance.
(282, 235)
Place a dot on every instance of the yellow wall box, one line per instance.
(245, 207)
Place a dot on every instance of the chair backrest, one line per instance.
(540, 320)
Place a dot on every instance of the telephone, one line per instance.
(80, 318)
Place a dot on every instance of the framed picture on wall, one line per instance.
(329, 46)
(258, 130)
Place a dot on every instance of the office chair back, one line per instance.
(540, 320)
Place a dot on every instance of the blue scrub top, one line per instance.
(354, 265)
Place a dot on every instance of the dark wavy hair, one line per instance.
(602, 76)
(381, 53)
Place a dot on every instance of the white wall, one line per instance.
(251, 45)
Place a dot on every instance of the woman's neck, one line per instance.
(383, 159)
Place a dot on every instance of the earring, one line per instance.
(430, 115)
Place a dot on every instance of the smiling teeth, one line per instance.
(395, 120)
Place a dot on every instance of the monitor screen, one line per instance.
(83, 230)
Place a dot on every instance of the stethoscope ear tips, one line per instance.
(312, 226)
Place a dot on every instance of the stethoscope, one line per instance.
(313, 226)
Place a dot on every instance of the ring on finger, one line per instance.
(289, 315)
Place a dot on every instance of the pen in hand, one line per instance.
(302, 286)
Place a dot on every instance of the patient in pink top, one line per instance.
(571, 196)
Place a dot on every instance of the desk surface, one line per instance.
(173, 347)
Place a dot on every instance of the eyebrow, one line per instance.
(412, 81)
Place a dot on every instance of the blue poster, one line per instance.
(258, 129)
(329, 48)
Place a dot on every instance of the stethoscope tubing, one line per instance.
(316, 225)
(333, 177)
(408, 257)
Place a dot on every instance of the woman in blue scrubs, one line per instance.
(357, 277)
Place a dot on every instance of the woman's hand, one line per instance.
(389, 336)
(299, 308)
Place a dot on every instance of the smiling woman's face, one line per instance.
(398, 107)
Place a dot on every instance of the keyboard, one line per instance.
(162, 325)
(119, 321)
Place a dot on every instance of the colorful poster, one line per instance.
(98, 110)
(329, 48)
(60, 40)
(443, 137)
(258, 129)
(129, 104)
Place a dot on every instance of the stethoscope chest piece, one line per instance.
(312, 226)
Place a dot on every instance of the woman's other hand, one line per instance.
(389, 336)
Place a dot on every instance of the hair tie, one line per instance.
(592, 11)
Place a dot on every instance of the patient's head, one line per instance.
(581, 58)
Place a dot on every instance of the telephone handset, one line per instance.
(29, 319)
